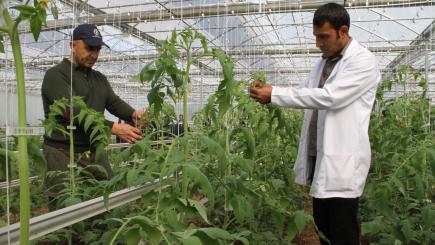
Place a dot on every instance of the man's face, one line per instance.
(84, 55)
(329, 40)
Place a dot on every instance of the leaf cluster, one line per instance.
(93, 122)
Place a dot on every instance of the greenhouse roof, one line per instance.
(275, 36)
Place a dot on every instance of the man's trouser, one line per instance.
(337, 219)
(58, 160)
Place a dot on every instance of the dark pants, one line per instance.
(58, 160)
(337, 219)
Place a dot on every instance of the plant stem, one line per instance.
(71, 150)
(185, 183)
(119, 231)
(22, 139)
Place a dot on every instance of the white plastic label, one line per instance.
(17, 131)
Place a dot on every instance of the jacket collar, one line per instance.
(352, 48)
(347, 52)
(343, 51)
(76, 67)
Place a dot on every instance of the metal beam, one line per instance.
(422, 40)
(15, 183)
(53, 221)
(124, 26)
(233, 53)
(221, 9)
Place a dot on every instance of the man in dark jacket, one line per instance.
(74, 75)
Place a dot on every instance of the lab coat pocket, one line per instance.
(339, 172)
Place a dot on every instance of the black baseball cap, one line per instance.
(90, 34)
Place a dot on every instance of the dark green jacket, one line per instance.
(96, 92)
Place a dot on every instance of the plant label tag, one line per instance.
(73, 127)
(17, 131)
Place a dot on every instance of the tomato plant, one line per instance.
(398, 201)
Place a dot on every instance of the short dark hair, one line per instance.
(333, 13)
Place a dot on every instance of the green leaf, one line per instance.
(423, 84)
(292, 230)
(172, 50)
(201, 209)
(149, 227)
(99, 152)
(216, 233)
(35, 26)
(431, 159)
(107, 236)
(2, 47)
(217, 149)
(71, 201)
(277, 184)
(419, 186)
(54, 11)
(147, 73)
(428, 216)
(407, 231)
(198, 206)
(96, 168)
(204, 44)
(250, 142)
(88, 122)
(399, 186)
(82, 114)
(373, 227)
(42, 15)
(100, 139)
(193, 240)
(154, 235)
(123, 155)
(300, 219)
(243, 209)
(246, 165)
(202, 181)
(185, 234)
(132, 176)
(25, 10)
(95, 131)
(174, 36)
(132, 236)
(241, 236)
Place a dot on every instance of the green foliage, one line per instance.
(258, 76)
(166, 75)
(7, 157)
(399, 196)
(92, 122)
(165, 116)
(36, 15)
(238, 164)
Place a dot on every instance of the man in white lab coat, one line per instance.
(334, 151)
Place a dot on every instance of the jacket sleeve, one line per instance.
(356, 78)
(117, 106)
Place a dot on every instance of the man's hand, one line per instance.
(126, 132)
(136, 118)
(261, 94)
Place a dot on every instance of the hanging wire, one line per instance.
(71, 129)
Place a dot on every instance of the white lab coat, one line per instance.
(344, 103)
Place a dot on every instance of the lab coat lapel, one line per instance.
(338, 67)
